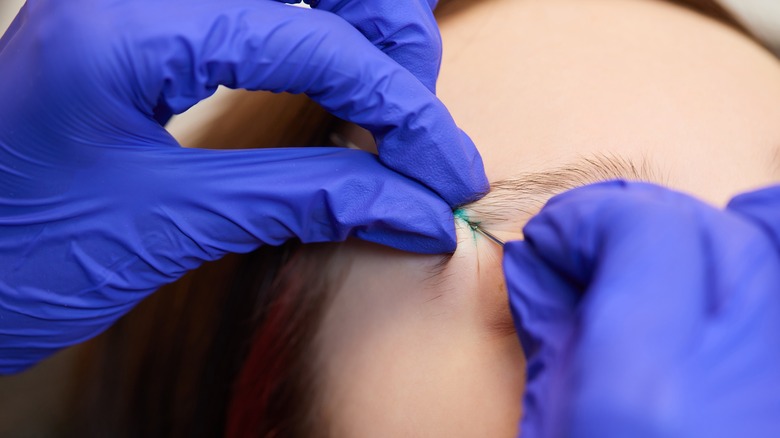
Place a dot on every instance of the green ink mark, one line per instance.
(461, 214)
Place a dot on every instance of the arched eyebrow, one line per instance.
(517, 199)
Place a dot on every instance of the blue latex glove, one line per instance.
(405, 30)
(647, 313)
(99, 206)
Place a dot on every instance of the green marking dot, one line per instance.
(461, 214)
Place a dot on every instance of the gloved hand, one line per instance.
(404, 30)
(647, 313)
(99, 206)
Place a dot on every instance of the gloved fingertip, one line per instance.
(413, 219)
(460, 182)
(543, 307)
(761, 207)
(471, 191)
(541, 300)
(769, 196)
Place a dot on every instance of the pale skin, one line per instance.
(537, 84)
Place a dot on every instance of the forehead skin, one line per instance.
(406, 355)
(538, 84)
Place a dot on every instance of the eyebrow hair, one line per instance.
(522, 196)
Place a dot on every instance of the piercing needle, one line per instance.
(493, 238)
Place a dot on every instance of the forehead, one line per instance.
(400, 355)
(541, 83)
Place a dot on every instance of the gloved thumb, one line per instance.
(543, 305)
(601, 266)
(316, 195)
(579, 274)
(131, 219)
(763, 208)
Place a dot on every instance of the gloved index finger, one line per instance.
(762, 207)
(617, 281)
(642, 254)
(405, 30)
(611, 234)
(272, 46)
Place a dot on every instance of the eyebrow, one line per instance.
(518, 198)
(522, 196)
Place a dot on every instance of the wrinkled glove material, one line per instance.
(644, 312)
(99, 205)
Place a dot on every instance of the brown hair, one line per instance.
(168, 368)
(275, 394)
(225, 348)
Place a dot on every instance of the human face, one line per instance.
(539, 85)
